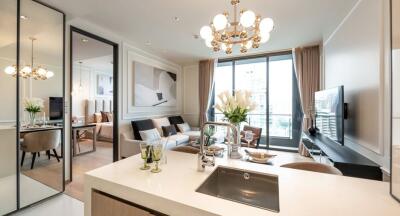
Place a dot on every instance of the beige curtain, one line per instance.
(206, 80)
(308, 71)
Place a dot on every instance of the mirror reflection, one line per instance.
(41, 102)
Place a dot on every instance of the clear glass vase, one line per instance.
(32, 119)
(235, 146)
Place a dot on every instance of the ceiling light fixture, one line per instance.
(29, 71)
(84, 40)
(177, 19)
(249, 31)
(23, 17)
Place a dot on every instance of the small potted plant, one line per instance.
(33, 106)
(235, 109)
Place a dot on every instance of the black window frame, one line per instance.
(281, 143)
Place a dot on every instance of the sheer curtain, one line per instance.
(206, 82)
(308, 72)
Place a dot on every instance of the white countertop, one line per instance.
(301, 193)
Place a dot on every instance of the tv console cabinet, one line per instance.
(349, 162)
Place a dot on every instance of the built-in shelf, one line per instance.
(349, 162)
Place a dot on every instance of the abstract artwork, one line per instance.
(153, 87)
(104, 85)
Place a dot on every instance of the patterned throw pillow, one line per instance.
(150, 135)
(184, 127)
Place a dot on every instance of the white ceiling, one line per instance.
(298, 22)
(91, 49)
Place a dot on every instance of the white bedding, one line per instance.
(105, 130)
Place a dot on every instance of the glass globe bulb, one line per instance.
(249, 44)
(265, 38)
(220, 21)
(208, 43)
(49, 74)
(41, 71)
(223, 46)
(206, 32)
(266, 25)
(26, 70)
(10, 70)
(248, 18)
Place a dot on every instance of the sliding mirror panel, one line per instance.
(41, 102)
(8, 95)
(395, 166)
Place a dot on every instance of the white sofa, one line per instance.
(130, 145)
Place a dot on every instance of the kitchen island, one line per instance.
(173, 191)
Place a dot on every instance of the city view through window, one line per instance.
(270, 79)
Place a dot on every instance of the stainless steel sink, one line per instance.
(242, 186)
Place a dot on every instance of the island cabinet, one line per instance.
(104, 204)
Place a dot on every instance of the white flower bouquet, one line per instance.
(33, 106)
(235, 107)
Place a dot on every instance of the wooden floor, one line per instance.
(84, 163)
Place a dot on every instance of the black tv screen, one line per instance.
(329, 113)
(56, 108)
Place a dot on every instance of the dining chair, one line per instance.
(35, 142)
(314, 167)
(256, 136)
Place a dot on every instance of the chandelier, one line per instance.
(248, 32)
(29, 71)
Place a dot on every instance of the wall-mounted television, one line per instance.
(329, 113)
(56, 108)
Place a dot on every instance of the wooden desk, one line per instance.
(76, 128)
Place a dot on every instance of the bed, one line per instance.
(93, 114)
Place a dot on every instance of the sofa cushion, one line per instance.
(179, 139)
(168, 142)
(158, 123)
(174, 120)
(150, 135)
(168, 130)
(193, 135)
(141, 126)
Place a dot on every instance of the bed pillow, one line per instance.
(97, 118)
(104, 116)
(184, 127)
(150, 135)
(168, 130)
(110, 117)
(141, 125)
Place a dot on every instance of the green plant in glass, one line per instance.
(208, 133)
(145, 152)
(157, 153)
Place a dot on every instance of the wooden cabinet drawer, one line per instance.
(106, 205)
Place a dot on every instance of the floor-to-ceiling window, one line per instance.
(270, 78)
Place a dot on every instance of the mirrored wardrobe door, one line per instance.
(8, 97)
(395, 166)
(41, 102)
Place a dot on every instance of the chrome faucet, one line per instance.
(203, 160)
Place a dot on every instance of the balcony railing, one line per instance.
(280, 125)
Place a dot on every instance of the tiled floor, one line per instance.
(62, 205)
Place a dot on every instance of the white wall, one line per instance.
(88, 91)
(356, 55)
